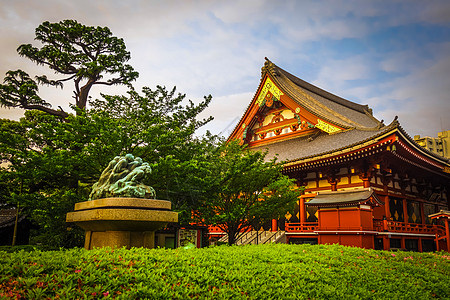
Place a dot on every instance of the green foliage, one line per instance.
(44, 171)
(83, 54)
(28, 248)
(52, 157)
(52, 164)
(152, 125)
(276, 271)
(19, 90)
(158, 126)
(244, 190)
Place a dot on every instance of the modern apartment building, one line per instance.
(439, 145)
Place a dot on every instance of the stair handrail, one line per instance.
(243, 239)
(270, 237)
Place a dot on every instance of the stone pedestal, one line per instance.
(121, 222)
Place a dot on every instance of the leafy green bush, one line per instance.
(27, 248)
(246, 272)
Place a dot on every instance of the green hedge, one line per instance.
(27, 248)
(240, 272)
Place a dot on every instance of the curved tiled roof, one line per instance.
(343, 198)
(360, 127)
(8, 217)
(325, 105)
(307, 147)
(303, 147)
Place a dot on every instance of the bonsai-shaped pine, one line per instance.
(83, 54)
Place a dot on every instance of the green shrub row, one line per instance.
(239, 272)
(28, 248)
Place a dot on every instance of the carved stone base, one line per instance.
(121, 222)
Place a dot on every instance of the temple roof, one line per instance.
(441, 214)
(8, 217)
(332, 108)
(311, 146)
(301, 123)
(345, 198)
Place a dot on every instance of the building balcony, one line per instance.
(412, 228)
(301, 227)
(379, 226)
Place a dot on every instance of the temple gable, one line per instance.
(273, 114)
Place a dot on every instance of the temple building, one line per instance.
(368, 184)
(8, 220)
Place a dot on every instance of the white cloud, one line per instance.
(215, 47)
(436, 12)
(421, 99)
(227, 110)
(334, 74)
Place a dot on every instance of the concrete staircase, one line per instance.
(258, 237)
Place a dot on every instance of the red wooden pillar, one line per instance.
(302, 210)
(333, 182)
(422, 213)
(447, 234)
(420, 245)
(199, 238)
(387, 212)
(386, 240)
(274, 225)
(366, 181)
(387, 209)
(405, 211)
(386, 243)
(402, 243)
(437, 242)
(334, 186)
(365, 177)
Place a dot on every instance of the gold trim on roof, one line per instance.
(268, 86)
(326, 127)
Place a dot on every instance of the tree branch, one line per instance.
(58, 113)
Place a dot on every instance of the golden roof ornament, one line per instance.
(268, 68)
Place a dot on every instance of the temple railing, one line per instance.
(402, 227)
(301, 227)
(378, 225)
(215, 230)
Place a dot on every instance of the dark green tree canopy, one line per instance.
(86, 55)
(19, 90)
(50, 165)
(243, 190)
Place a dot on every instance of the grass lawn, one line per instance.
(240, 272)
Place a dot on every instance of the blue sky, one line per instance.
(392, 55)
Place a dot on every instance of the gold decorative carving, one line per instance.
(262, 135)
(269, 99)
(288, 216)
(326, 127)
(278, 117)
(268, 87)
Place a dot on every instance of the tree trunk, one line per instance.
(232, 232)
(231, 238)
(58, 113)
(84, 93)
